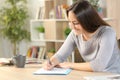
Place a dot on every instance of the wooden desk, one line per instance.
(13, 73)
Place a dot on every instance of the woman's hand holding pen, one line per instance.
(48, 65)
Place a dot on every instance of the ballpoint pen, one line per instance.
(49, 62)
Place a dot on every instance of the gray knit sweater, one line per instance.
(101, 50)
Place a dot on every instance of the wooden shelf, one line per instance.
(54, 28)
(48, 40)
(107, 19)
(37, 20)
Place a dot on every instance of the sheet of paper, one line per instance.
(106, 77)
(54, 71)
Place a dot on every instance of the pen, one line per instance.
(33, 62)
(49, 62)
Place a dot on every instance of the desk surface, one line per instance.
(13, 73)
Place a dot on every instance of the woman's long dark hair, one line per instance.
(87, 15)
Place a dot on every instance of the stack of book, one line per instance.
(5, 61)
(36, 52)
(61, 11)
(40, 13)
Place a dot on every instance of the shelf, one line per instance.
(37, 20)
(55, 26)
(48, 40)
(55, 34)
(107, 19)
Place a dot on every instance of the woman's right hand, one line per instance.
(51, 63)
(48, 65)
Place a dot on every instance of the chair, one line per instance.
(118, 43)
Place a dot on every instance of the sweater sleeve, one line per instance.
(105, 52)
(66, 49)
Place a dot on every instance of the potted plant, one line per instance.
(51, 52)
(94, 3)
(12, 20)
(41, 31)
(67, 31)
(74, 1)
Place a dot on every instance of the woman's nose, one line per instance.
(71, 26)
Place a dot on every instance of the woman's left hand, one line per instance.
(65, 65)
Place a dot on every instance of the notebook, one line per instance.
(54, 71)
(105, 77)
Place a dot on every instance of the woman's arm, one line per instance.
(106, 55)
(64, 51)
(77, 66)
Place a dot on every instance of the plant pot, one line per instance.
(41, 36)
(19, 61)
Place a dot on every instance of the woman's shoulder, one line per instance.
(106, 30)
(109, 28)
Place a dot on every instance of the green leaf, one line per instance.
(40, 29)
(67, 31)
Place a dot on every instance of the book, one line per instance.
(41, 52)
(29, 52)
(54, 71)
(33, 52)
(33, 61)
(5, 61)
(105, 77)
(38, 13)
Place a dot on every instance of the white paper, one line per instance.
(54, 71)
(106, 77)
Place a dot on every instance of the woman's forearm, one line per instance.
(77, 66)
(81, 66)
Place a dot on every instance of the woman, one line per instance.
(94, 38)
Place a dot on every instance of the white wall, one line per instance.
(2, 41)
(5, 45)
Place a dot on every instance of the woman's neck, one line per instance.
(87, 36)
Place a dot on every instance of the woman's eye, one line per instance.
(76, 23)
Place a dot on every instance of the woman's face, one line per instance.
(74, 24)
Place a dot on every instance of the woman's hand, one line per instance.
(65, 65)
(48, 66)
